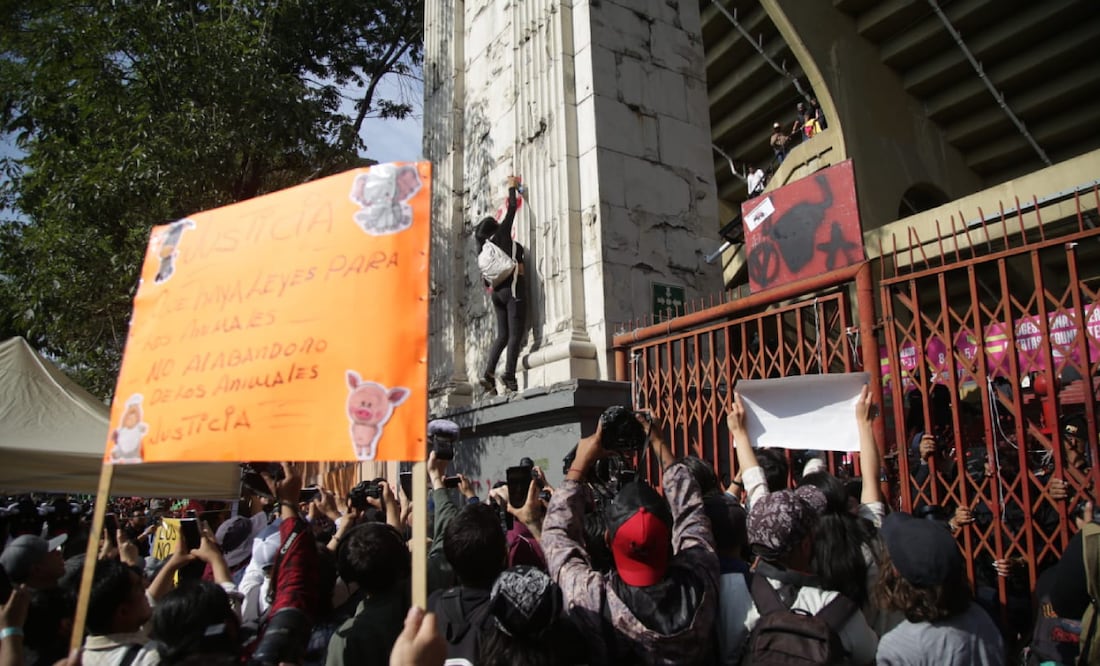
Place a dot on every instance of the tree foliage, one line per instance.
(129, 113)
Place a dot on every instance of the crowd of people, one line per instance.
(809, 121)
(778, 566)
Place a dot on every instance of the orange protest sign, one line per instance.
(292, 326)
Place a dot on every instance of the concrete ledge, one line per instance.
(959, 220)
(541, 423)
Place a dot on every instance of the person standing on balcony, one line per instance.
(804, 115)
(778, 143)
(818, 114)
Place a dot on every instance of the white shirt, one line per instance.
(755, 182)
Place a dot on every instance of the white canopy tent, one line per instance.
(53, 436)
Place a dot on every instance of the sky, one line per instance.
(390, 140)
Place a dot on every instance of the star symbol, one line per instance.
(837, 245)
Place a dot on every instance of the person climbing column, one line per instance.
(500, 260)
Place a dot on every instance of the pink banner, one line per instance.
(1029, 348)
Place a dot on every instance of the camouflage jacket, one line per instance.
(589, 596)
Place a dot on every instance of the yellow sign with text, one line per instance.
(167, 535)
(292, 326)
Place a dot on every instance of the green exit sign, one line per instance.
(668, 301)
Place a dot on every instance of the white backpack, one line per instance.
(495, 265)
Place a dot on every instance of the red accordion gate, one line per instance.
(996, 356)
(685, 375)
(993, 349)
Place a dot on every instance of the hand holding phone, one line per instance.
(110, 525)
(519, 482)
(190, 533)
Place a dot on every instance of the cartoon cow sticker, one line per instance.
(381, 193)
(370, 406)
(127, 437)
(169, 249)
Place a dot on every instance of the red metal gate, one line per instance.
(992, 348)
(683, 369)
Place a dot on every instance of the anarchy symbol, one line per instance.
(763, 263)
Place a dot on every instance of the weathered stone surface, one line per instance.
(598, 107)
(673, 197)
(620, 29)
(680, 143)
(624, 129)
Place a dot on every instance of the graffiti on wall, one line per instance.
(806, 228)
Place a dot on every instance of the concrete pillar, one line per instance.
(444, 96)
(601, 107)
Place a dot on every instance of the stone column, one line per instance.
(648, 198)
(601, 107)
(444, 97)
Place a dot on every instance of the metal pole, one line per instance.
(761, 299)
(997, 95)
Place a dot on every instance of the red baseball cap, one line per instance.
(640, 534)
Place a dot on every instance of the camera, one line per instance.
(501, 507)
(252, 476)
(621, 431)
(357, 497)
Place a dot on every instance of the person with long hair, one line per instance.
(196, 623)
(840, 538)
(923, 577)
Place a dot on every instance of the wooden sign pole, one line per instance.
(92, 555)
(420, 535)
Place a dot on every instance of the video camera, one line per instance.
(442, 437)
(519, 480)
(621, 431)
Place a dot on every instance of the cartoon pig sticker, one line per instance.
(370, 406)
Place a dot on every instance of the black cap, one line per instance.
(923, 551)
(524, 602)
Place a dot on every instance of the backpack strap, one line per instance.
(130, 656)
(451, 601)
(836, 612)
(767, 600)
(295, 532)
(515, 269)
(764, 596)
